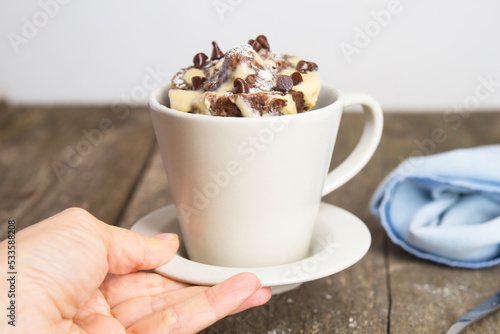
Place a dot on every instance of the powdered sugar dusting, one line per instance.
(178, 80)
(276, 56)
(265, 81)
(245, 50)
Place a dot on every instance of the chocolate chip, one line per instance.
(216, 52)
(296, 78)
(302, 66)
(197, 82)
(255, 45)
(284, 83)
(199, 60)
(305, 66)
(250, 80)
(240, 86)
(263, 41)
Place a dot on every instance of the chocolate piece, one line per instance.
(298, 98)
(276, 106)
(224, 107)
(199, 60)
(266, 105)
(263, 41)
(216, 51)
(281, 65)
(284, 83)
(221, 105)
(240, 86)
(305, 66)
(296, 78)
(255, 45)
(197, 82)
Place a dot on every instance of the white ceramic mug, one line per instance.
(247, 190)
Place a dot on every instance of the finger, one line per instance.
(203, 309)
(129, 251)
(95, 317)
(135, 309)
(119, 288)
(261, 297)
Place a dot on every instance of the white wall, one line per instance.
(428, 55)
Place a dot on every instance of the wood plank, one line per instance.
(151, 191)
(427, 297)
(54, 158)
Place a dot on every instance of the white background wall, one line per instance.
(428, 55)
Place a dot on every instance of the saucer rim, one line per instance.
(182, 269)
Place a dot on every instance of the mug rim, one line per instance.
(155, 105)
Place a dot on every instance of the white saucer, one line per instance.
(340, 239)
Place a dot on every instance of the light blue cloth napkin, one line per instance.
(445, 207)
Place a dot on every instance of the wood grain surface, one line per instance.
(114, 170)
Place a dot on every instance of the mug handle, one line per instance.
(359, 157)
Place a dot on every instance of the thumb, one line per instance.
(130, 251)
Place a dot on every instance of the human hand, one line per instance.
(64, 287)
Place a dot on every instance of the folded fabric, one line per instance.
(445, 207)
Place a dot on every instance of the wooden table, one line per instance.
(106, 161)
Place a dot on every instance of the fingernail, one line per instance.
(166, 236)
